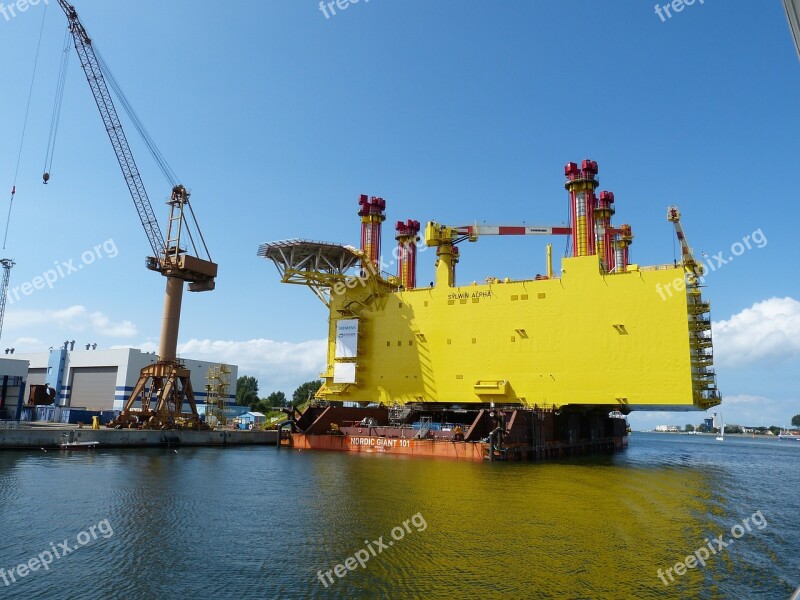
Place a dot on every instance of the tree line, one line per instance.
(738, 429)
(247, 395)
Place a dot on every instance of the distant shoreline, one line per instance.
(742, 435)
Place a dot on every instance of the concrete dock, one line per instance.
(54, 435)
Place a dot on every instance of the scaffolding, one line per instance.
(217, 391)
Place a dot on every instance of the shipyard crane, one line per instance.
(6, 263)
(694, 269)
(167, 382)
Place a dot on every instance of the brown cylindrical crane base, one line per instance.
(170, 324)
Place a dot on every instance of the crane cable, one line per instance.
(24, 125)
(56, 117)
(674, 236)
(162, 163)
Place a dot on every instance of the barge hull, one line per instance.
(449, 449)
(487, 434)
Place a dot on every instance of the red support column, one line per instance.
(624, 240)
(372, 215)
(571, 172)
(605, 235)
(407, 239)
(581, 184)
(589, 170)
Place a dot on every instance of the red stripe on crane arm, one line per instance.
(515, 230)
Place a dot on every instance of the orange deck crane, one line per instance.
(165, 385)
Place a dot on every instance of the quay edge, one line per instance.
(53, 437)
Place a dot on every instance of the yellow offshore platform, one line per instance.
(602, 335)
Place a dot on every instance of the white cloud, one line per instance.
(72, 319)
(148, 346)
(276, 365)
(23, 341)
(24, 344)
(742, 409)
(261, 353)
(767, 330)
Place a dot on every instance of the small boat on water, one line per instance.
(785, 435)
(79, 445)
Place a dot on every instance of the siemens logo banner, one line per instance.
(346, 338)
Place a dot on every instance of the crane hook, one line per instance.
(45, 178)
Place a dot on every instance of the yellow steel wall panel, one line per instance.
(593, 339)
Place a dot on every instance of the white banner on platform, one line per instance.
(346, 338)
(344, 373)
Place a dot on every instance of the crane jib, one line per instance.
(94, 76)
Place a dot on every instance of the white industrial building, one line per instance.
(102, 380)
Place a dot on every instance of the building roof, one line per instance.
(255, 414)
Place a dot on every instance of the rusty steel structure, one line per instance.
(163, 387)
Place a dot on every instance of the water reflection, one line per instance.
(257, 523)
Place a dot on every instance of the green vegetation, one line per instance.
(734, 429)
(273, 417)
(247, 395)
(246, 391)
(306, 391)
(796, 421)
(270, 403)
(276, 399)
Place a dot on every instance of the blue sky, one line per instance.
(277, 118)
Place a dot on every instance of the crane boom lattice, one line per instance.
(694, 269)
(108, 112)
(6, 263)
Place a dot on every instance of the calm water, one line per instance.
(256, 523)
